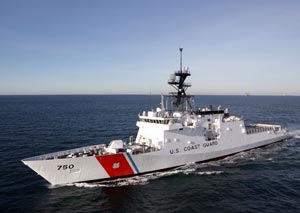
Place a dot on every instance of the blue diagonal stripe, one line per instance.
(132, 162)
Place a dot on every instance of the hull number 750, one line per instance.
(65, 167)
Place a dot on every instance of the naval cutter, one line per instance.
(174, 134)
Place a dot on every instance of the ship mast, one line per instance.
(180, 98)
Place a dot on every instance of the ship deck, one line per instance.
(93, 150)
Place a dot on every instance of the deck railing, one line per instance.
(53, 155)
(259, 128)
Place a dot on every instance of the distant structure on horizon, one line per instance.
(247, 94)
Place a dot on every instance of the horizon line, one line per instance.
(155, 94)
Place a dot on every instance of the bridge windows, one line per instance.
(155, 121)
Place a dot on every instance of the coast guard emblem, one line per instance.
(116, 165)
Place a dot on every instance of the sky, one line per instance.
(131, 47)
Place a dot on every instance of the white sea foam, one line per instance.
(295, 133)
(210, 172)
(86, 185)
(54, 186)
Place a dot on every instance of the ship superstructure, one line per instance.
(172, 135)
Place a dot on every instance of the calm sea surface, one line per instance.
(261, 180)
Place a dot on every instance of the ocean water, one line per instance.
(260, 180)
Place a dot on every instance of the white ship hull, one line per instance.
(102, 167)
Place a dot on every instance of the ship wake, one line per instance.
(295, 133)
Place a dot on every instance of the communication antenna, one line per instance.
(180, 58)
